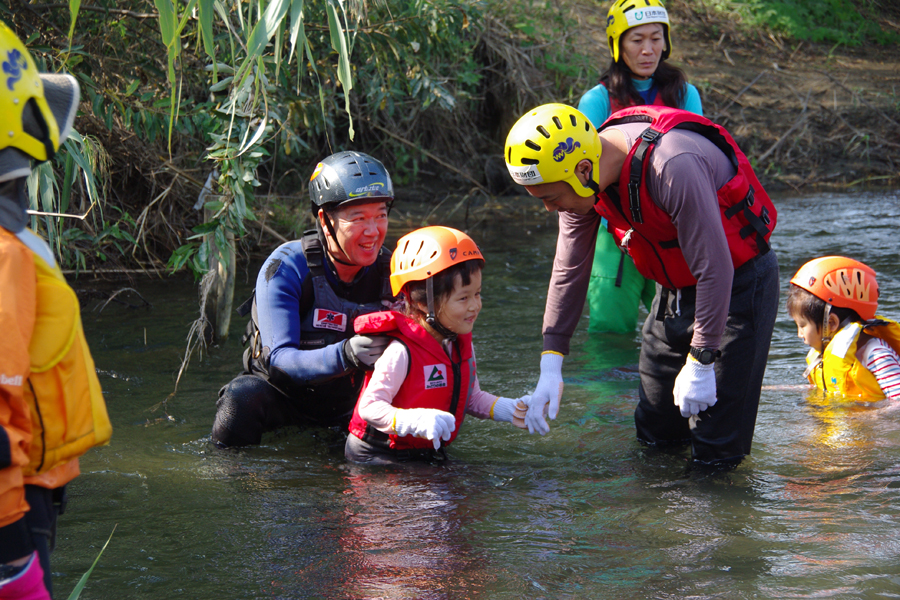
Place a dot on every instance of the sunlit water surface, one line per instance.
(583, 512)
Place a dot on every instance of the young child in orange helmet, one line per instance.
(413, 403)
(852, 352)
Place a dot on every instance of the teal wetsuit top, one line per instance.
(616, 289)
(595, 102)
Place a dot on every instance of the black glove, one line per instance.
(361, 351)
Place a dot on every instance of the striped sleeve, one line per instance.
(884, 364)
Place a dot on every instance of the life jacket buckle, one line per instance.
(650, 135)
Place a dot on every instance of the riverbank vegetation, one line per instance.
(201, 121)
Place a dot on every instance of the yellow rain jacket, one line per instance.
(838, 370)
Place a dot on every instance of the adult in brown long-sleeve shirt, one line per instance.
(713, 309)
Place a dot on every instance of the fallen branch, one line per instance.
(117, 292)
(741, 93)
(432, 157)
(263, 227)
(860, 98)
(793, 128)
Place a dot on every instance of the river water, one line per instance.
(583, 512)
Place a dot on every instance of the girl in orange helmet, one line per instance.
(852, 352)
(414, 400)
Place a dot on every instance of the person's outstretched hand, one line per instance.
(511, 410)
(545, 399)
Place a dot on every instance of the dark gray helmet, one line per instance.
(349, 177)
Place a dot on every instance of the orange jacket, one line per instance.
(58, 390)
(18, 284)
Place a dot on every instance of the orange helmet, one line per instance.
(841, 282)
(426, 252)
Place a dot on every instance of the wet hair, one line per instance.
(802, 303)
(444, 284)
(671, 83)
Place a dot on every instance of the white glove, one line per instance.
(428, 423)
(695, 387)
(511, 410)
(545, 399)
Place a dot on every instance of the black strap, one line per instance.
(648, 138)
(457, 376)
(313, 251)
(757, 224)
(663, 304)
(669, 244)
(244, 309)
(384, 262)
(621, 271)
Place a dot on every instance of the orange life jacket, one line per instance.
(68, 413)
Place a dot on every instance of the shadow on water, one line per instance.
(584, 512)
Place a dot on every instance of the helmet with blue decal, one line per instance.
(38, 108)
(349, 177)
(546, 144)
(625, 14)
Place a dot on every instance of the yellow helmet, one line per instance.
(39, 130)
(547, 142)
(625, 14)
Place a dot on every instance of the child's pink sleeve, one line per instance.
(376, 403)
(481, 402)
(884, 364)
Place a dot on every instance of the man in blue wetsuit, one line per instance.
(303, 364)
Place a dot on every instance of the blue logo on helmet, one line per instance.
(566, 147)
(13, 66)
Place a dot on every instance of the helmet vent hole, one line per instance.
(533, 146)
(557, 122)
(574, 120)
(543, 131)
(530, 161)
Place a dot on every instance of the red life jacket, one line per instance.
(434, 380)
(615, 106)
(651, 239)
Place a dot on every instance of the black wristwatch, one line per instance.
(705, 356)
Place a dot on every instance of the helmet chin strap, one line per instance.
(827, 334)
(431, 319)
(593, 184)
(333, 235)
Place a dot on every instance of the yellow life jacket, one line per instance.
(68, 412)
(838, 370)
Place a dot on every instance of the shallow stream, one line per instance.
(583, 512)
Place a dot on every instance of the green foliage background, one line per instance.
(436, 85)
